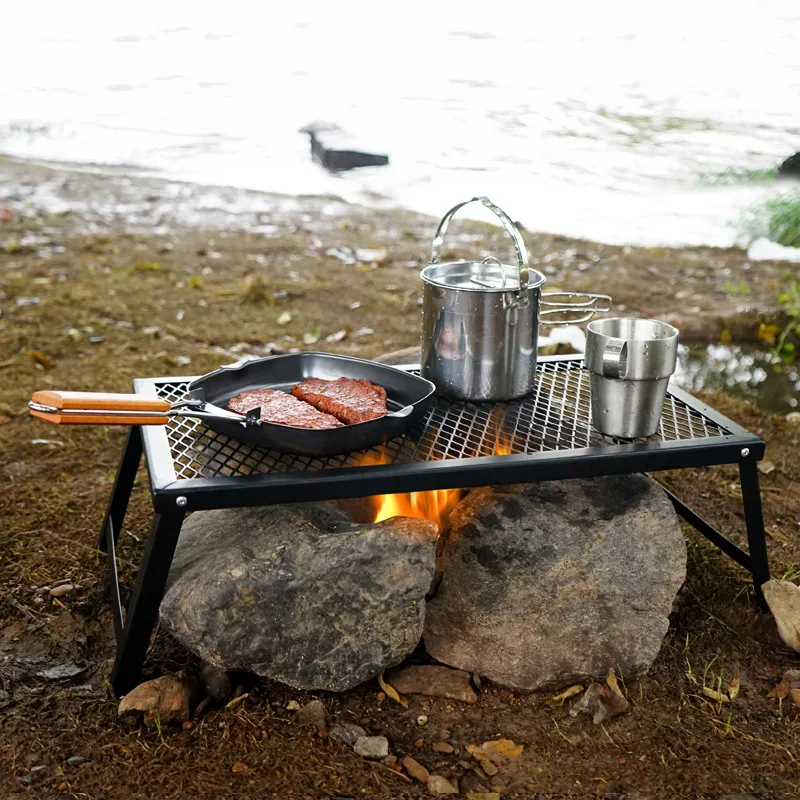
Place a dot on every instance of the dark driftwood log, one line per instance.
(337, 150)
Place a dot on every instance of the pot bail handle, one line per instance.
(508, 224)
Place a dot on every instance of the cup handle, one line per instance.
(615, 360)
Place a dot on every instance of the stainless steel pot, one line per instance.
(481, 319)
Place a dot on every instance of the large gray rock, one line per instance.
(554, 583)
(299, 593)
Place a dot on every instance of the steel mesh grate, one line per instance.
(556, 416)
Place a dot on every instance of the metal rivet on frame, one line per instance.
(745, 452)
(181, 501)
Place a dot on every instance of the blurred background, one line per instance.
(619, 121)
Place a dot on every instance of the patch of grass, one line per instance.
(778, 219)
(736, 177)
(737, 289)
(789, 301)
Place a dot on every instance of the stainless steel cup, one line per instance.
(630, 362)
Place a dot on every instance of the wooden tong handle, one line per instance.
(99, 401)
(68, 406)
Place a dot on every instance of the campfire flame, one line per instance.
(434, 505)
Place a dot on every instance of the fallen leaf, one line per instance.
(41, 358)
(603, 701)
(284, 318)
(719, 697)
(765, 467)
(780, 691)
(559, 699)
(611, 682)
(725, 337)
(236, 700)
(496, 750)
(61, 672)
(147, 266)
(392, 692)
(768, 334)
(795, 695)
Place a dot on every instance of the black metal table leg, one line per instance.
(148, 590)
(123, 486)
(756, 539)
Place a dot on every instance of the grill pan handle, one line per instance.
(508, 224)
(99, 408)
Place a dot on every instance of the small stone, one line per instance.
(434, 681)
(390, 760)
(168, 699)
(488, 767)
(482, 795)
(216, 682)
(792, 675)
(346, 733)
(793, 418)
(76, 761)
(442, 747)
(783, 599)
(38, 768)
(439, 785)
(372, 747)
(239, 767)
(293, 705)
(419, 742)
(444, 733)
(60, 591)
(416, 770)
(312, 715)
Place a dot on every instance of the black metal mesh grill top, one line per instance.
(556, 416)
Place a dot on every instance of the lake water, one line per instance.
(588, 119)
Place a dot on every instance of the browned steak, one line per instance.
(283, 409)
(350, 400)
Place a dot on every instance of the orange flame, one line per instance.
(434, 505)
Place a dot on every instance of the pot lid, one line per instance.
(489, 275)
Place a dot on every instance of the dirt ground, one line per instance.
(117, 302)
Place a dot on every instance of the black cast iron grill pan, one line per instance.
(408, 397)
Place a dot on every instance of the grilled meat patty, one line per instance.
(350, 400)
(283, 409)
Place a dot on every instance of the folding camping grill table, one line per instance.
(549, 435)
